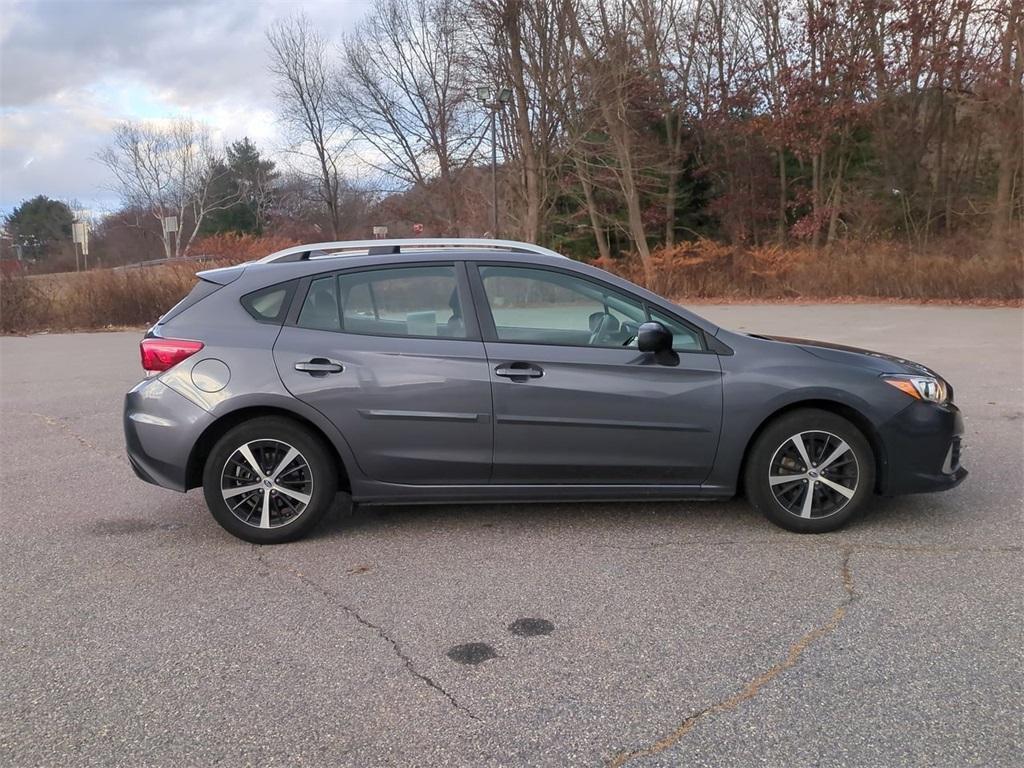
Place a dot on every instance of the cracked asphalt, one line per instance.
(135, 632)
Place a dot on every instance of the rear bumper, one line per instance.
(160, 429)
(922, 449)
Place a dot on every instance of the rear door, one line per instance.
(574, 400)
(389, 356)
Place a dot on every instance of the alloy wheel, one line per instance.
(813, 474)
(266, 483)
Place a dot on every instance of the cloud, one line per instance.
(71, 69)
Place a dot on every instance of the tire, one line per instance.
(838, 489)
(282, 499)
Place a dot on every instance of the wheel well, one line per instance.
(213, 433)
(852, 415)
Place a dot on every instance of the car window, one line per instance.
(268, 305)
(684, 338)
(544, 307)
(320, 309)
(407, 301)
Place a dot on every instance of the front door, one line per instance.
(387, 355)
(575, 402)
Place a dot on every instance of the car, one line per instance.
(461, 370)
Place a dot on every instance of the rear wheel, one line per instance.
(269, 480)
(810, 471)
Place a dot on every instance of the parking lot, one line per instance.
(136, 632)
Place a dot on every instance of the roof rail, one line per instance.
(398, 245)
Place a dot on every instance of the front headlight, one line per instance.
(929, 388)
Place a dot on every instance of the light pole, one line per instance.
(503, 97)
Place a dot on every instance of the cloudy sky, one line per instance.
(70, 69)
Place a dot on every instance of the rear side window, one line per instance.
(269, 305)
(408, 301)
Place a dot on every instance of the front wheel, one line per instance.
(269, 480)
(810, 471)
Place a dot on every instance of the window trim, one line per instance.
(469, 319)
(489, 329)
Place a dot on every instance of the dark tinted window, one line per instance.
(406, 301)
(269, 305)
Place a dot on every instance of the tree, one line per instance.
(299, 63)
(249, 179)
(169, 171)
(404, 91)
(519, 43)
(39, 225)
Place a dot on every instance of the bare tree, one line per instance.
(168, 171)
(519, 44)
(1009, 108)
(404, 92)
(298, 56)
(611, 61)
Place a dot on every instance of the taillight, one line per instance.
(161, 354)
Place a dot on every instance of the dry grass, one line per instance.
(96, 299)
(701, 270)
(949, 272)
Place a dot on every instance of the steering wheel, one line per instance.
(604, 325)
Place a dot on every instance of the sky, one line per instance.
(71, 69)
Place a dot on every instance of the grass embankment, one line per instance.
(692, 271)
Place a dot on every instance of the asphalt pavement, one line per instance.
(135, 632)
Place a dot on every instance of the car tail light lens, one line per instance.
(161, 354)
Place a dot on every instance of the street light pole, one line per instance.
(503, 96)
(494, 174)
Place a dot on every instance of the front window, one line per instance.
(540, 306)
(543, 307)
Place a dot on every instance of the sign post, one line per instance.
(80, 237)
(170, 225)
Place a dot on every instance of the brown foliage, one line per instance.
(703, 269)
(235, 248)
(949, 271)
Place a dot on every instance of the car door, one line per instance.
(389, 357)
(574, 400)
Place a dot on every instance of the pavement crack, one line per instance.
(754, 686)
(63, 426)
(380, 631)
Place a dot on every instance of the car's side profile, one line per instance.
(419, 371)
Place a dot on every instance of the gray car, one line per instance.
(422, 371)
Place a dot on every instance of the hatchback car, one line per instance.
(415, 371)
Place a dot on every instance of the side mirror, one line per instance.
(653, 337)
(656, 338)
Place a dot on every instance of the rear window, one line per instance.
(269, 305)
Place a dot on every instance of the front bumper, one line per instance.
(922, 447)
(160, 429)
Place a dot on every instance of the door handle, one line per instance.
(519, 371)
(319, 366)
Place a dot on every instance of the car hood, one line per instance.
(842, 353)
